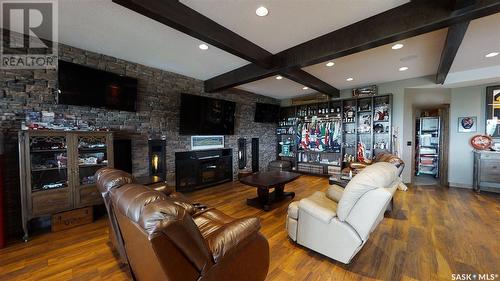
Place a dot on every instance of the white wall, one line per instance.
(469, 101)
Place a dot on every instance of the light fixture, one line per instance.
(492, 54)
(397, 46)
(203, 46)
(305, 88)
(349, 79)
(404, 68)
(330, 64)
(261, 11)
(279, 77)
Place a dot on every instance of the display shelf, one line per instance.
(48, 150)
(427, 133)
(92, 149)
(48, 169)
(48, 158)
(350, 113)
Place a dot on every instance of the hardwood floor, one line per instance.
(432, 233)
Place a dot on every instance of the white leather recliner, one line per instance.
(338, 223)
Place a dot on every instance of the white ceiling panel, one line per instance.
(289, 22)
(420, 54)
(105, 27)
(279, 89)
(482, 37)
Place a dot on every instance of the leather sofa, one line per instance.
(170, 239)
(338, 223)
(109, 178)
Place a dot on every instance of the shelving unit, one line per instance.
(330, 134)
(57, 170)
(428, 134)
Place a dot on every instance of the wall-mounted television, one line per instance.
(267, 113)
(86, 86)
(206, 116)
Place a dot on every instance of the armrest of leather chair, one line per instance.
(231, 236)
(334, 193)
(176, 197)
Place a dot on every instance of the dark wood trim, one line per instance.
(408, 20)
(300, 76)
(460, 4)
(184, 19)
(245, 74)
(454, 38)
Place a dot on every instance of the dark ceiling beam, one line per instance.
(300, 76)
(454, 38)
(460, 4)
(184, 19)
(405, 21)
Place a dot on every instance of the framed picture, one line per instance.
(365, 91)
(206, 142)
(493, 108)
(467, 124)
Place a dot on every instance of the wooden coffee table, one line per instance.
(264, 181)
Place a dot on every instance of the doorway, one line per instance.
(430, 154)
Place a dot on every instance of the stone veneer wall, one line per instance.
(157, 115)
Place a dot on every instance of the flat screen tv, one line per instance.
(86, 86)
(267, 113)
(206, 116)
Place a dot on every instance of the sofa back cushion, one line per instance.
(377, 175)
(109, 178)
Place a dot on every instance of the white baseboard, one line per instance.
(460, 185)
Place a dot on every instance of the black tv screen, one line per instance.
(267, 113)
(206, 116)
(85, 86)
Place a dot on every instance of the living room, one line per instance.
(249, 140)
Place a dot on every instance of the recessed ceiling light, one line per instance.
(261, 11)
(203, 46)
(330, 64)
(397, 46)
(349, 79)
(279, 77)
(404, 68)
(493, 54)
(305, 88)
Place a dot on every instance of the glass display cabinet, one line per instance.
(57, 170)
(331, 134)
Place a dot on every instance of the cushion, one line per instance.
(319, 206)
(109, 178)
(377, 175)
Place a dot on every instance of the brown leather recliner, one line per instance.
(108, 179)
(169, 239)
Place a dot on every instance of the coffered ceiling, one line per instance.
(289, 22)
(105, 27)
(109, 28)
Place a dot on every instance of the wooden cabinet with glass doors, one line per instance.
(57, 171)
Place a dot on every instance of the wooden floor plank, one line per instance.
(432, 232)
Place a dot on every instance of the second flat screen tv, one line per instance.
(267, 113)
(206, 116)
